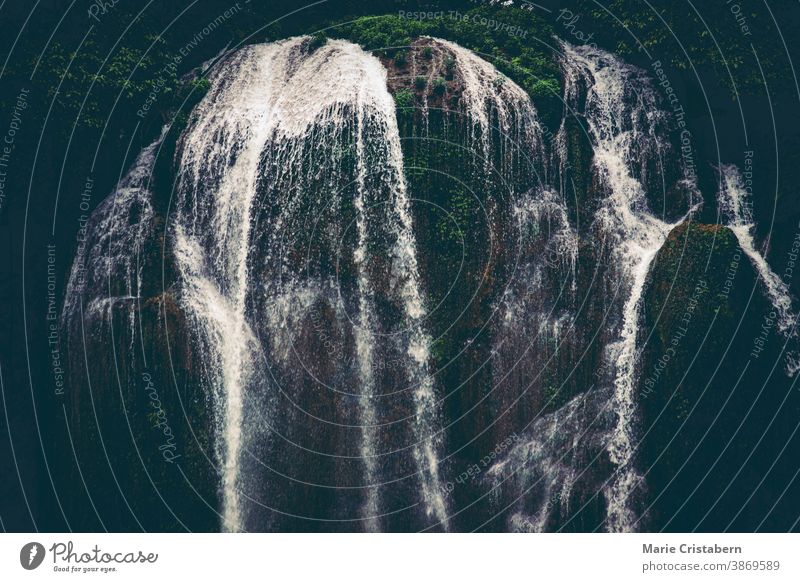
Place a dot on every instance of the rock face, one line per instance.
(717, 408)
(138, 411)
(387, 298)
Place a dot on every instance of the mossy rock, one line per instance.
(705, 401)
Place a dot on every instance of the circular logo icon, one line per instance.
(31, 555)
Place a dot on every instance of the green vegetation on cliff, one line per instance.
(523, 59)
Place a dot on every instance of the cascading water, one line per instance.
(626, 132)
(489, 126)
(619, 109)
(305, 286)
(246, 186)
(496, 105)
(736, 213)
(108, 268)
(219, 171)
(548, 466)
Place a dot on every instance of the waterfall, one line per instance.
(551, 462)
(270, 146)
(219, 169)
(736, 212)
(621, 112)
(496, 105)
(109, 264)
(557, 468)
(305, 286)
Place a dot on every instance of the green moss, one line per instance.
(703, 311)
(318, 40)
(542, 88)
(404, 99)
(439, 86)
(381, 32)
(401, 59)
(462, 210)
(449, 67)
(524, 62)
(717, 45)
(681, 264)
